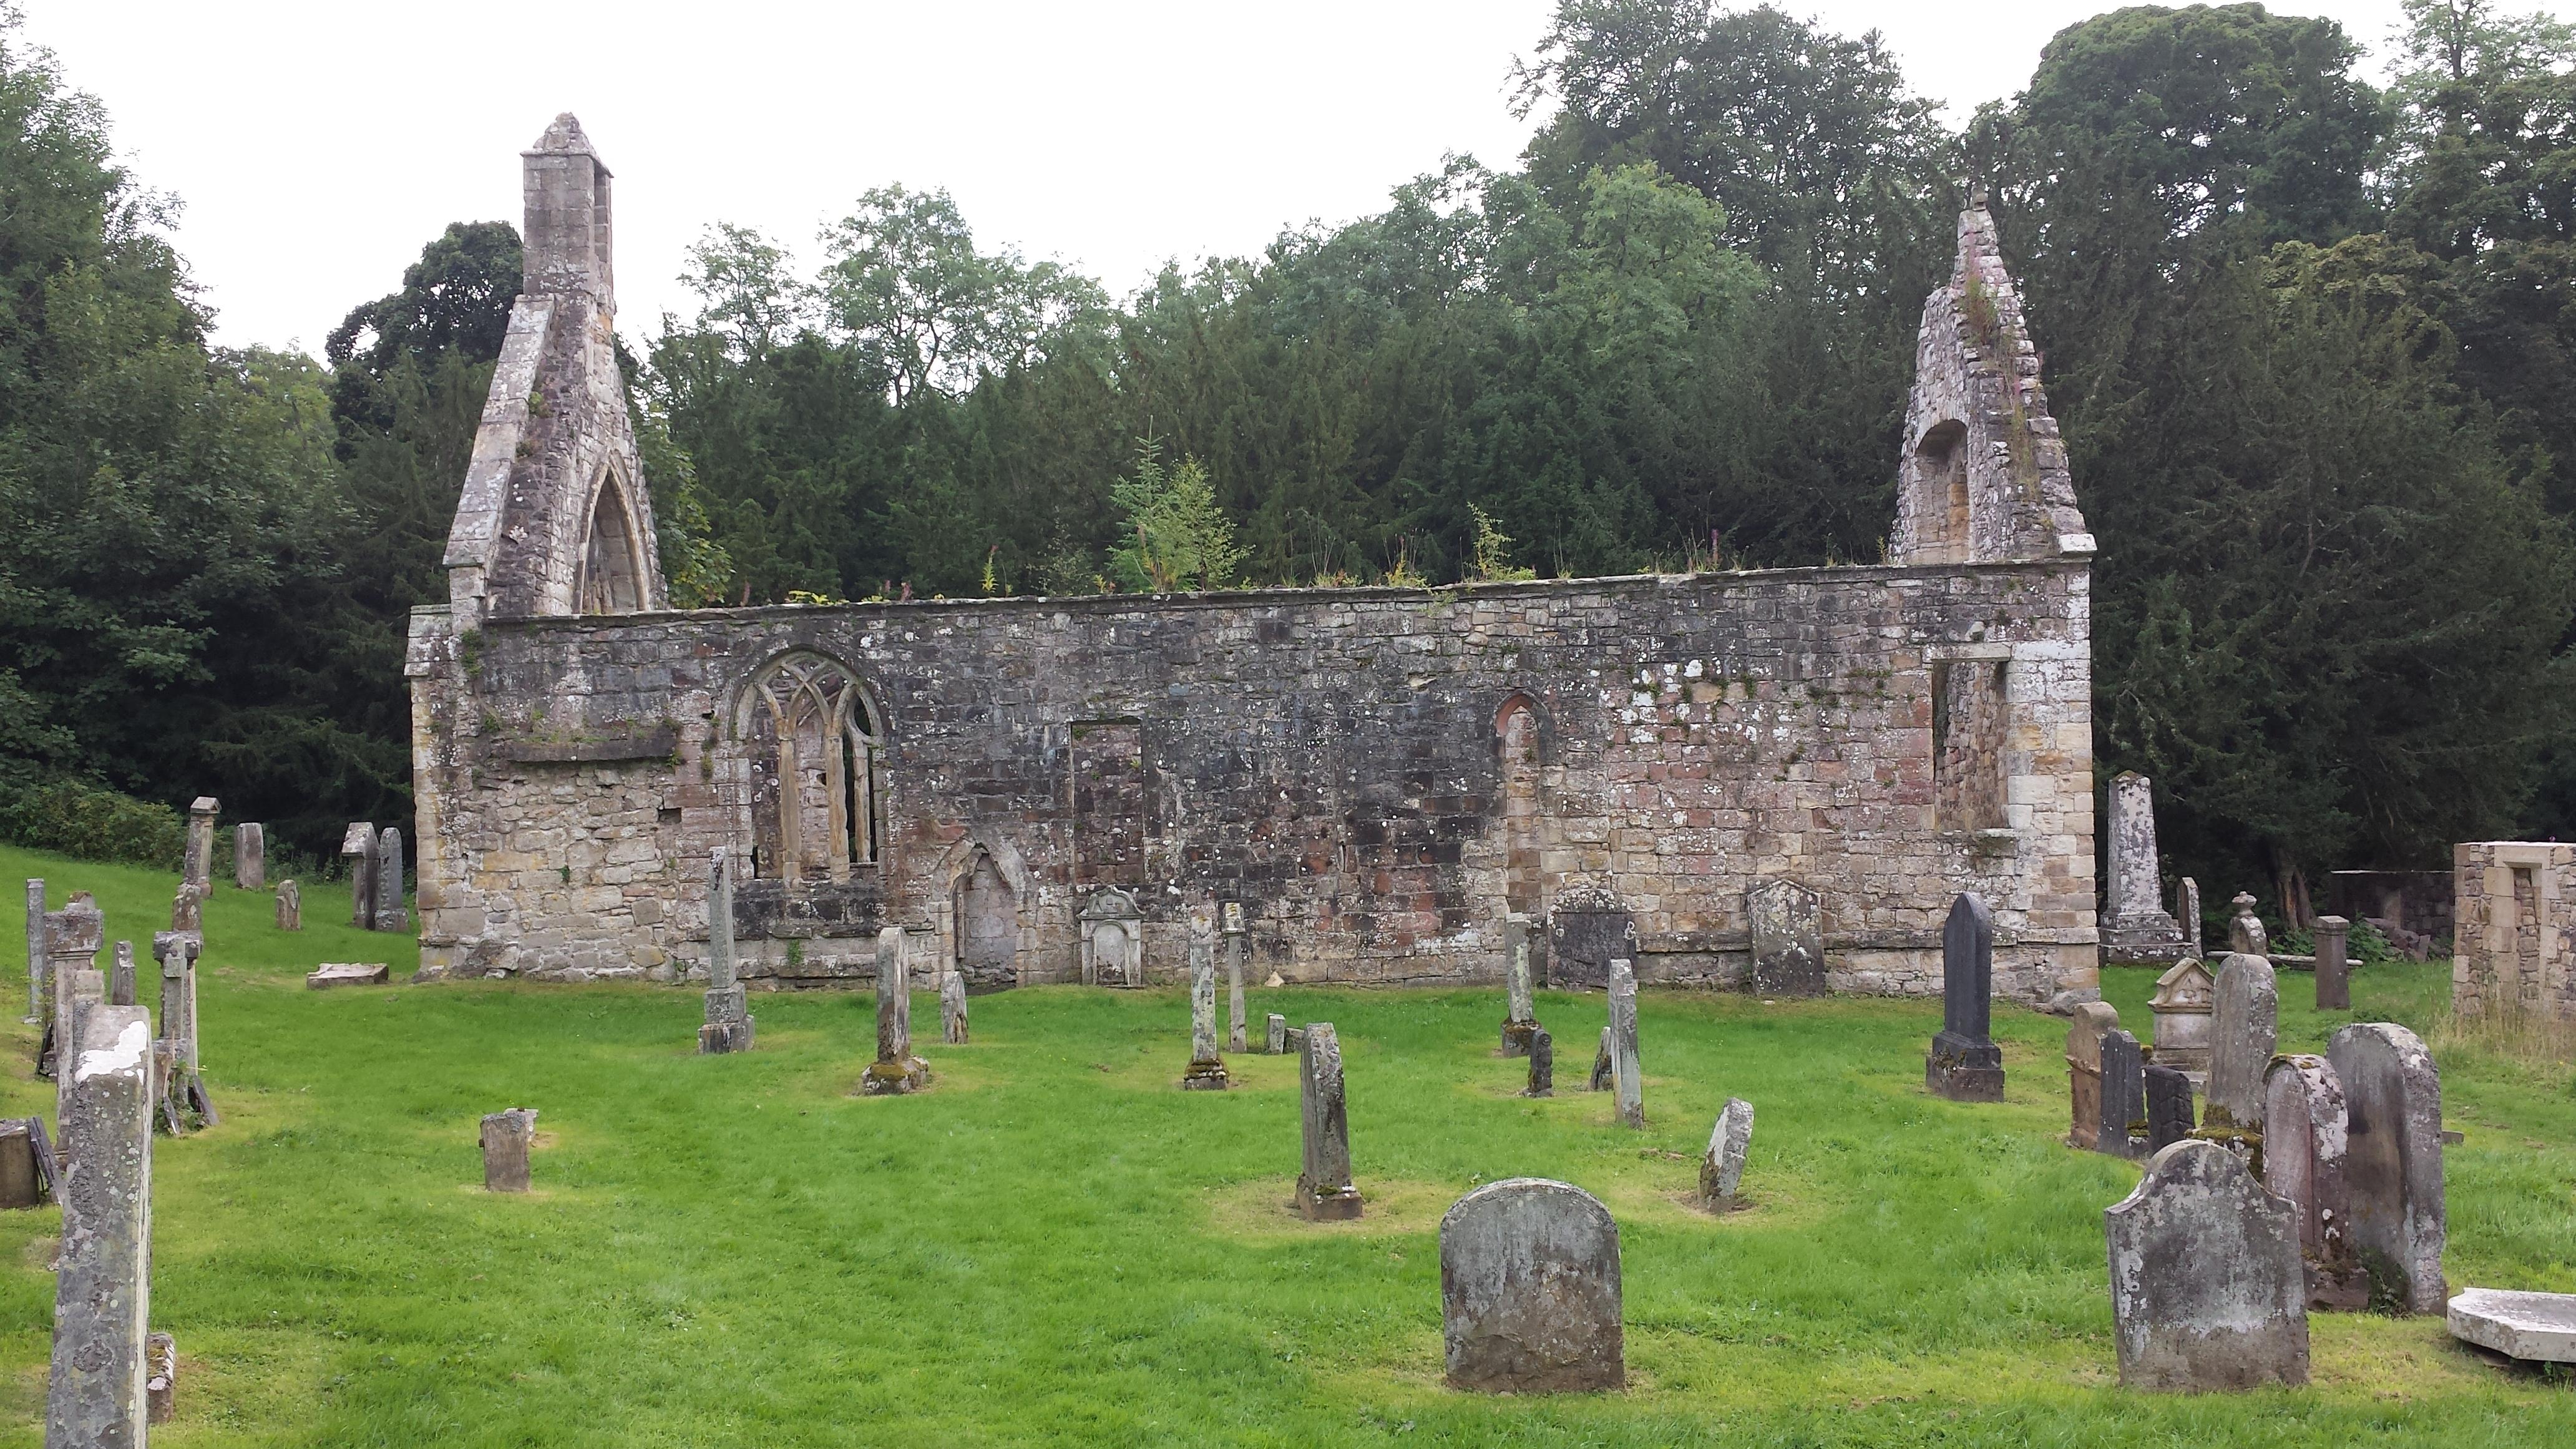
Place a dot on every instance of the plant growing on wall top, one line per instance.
(1176, 536)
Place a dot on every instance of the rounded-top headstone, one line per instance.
(2207, 1288)
(1529, 1290)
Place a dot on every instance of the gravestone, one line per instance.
(358, 848)
(1324, 1190)
(250, 856)
(729, 1025)
(1112, 936)
(1529, 1290)
(120, 977)
(2393, 1162)
(2334, 967)
(348, 973)
(103, 1281)
(1207, 1068)
(896, 1070)
(2207, 1292)
(2084, 1070)
(2169, 1109)
(952, 1008)
(184, 1086)
(2185, 999)
(1787, 927)
(2122, 1128)
(1238, 1019)
(21, 1184)
(2533, 1327)
(1277, 1042)
(1721, 1170)
(1605, 1067)
(2187, 913)
(35, 948)
(2244, 1028)
(1587, 929)
(2245, 933)
(197, 868)
(73, 937)
(1964, 1064)
(390, 914)
(160, 1378)
(1520, 1015)
(188, 908)
(2303, 1155)
(1627, 1078)
(2135, 928)
(1542, 1065)
(290, 906)
(507, 1138)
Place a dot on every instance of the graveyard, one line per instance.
(1053, 1243)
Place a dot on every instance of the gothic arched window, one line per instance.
(816, 751)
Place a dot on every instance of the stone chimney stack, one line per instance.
(567, 236)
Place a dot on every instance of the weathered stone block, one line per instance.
(2084, 1070)
(507, 1139)
(2536, 1327)
(348, 973)
(2303, 1160)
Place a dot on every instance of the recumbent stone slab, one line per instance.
(2536, 1326)
(2207, 1291)
(1529, 1290)
(347, 973)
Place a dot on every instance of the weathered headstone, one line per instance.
(1542, 1065)
(1587, 929)
(2135, 928)
(1324, 1190)
(24, 1181)
(2244, 1028)
(2534, 1327)
(188, 908)
(1520, 1015)
(1627, 1074)
(290, 906)
(181, 1085)
(1207, 1067)
(1605, 1066)
(2393, 1162)
(1238, 1015)
(198, 866)
(2124, 1096)
(952, 1008)
(2334, 967)
(2187, 913)
(729, 1026)
(2245, 933)
(1276, 1042)
(160, 1378)
(2206, 1287)
(348, 973)
(35, 948)
(507, 1138)
(1787, 927)
(2185, 998)
(2303, 1153)
(1964, 1064)
(1112, 939)
(1529, 1290)
(250, 856)
(2084, 1070)
(103, 1284)
(358, 848)
(73, 936)
(2169, 1110)
(120, 977)
(1721, 1170)
(390, 913)
(895, 1071)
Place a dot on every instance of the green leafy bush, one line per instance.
(92, 823)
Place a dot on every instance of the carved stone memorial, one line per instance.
(2084, 1070)
(1964, 1064)
(2303, 1156)
(103, 1283)
(729, 1025)
(2122, 1130)
(358, 848)
(1529, 1290)
(2393, 1162)
(507, 1138)
(1207, 1066)
(2207, 1292)
(1112, 939)
(1587, 929)
(1786, 923)
(1520, 1014)
(1324, 1190)
(1721, 1169)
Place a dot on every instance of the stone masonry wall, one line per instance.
(1330, 759)
(2514, 927)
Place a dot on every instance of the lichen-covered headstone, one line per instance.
(2170, 1117)
(188, 908)
(198, 866)
(1542, 1065)
(952, 1008)
(2135, 928)
(1529, 1290)
(2186, 997)
(729, 1025)
(1627, 1075)
(1786, 922)
(103, 1283)
(160, 1378)
(2245, 933)
(2207, 1291)
(1324, 1190)
(2334, 965)
(2124, 1096)
(895, 1071)
(73, 937)
(358, 847)
(2244, 1027)
(2084, 1070)
(1587, 929)
(250, 856)
(1520, 1015)
(1605, 1066)
(507, 1138)
(1964, 1064)
(390, 912)
(1721, 1169)
(2393, 1162)
(120, 977)
(1275, 1043)
(2303, 1155)
(2187, 914)
(1207, 1067)
(290, 906)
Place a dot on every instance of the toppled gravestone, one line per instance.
(2207, 1291)
(348, 973)
(1529, 1290)
(2393, 1162)
(103, 1287)
(2536, 1327)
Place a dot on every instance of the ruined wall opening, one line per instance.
(1968, 725)
(2529, 988)
(1940, 506)
(816, 770)
(612, 578)
(1524, 885)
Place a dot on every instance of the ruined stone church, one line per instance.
(1368, 781)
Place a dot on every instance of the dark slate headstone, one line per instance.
(1529, 1290)
(1786, 923)
(2124, 1094)
(1587, 929)
(1965, 1065)
(2169, 1115)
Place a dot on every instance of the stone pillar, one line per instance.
(103, 1288)
(2169, 1110)
(729, 1026)
(1324, 1190)
(1207, 1067)
(199, 867)
(2245, 933)
(1542, 1064)
(2206, 1287)
(250, 856)
(1520, 1015)
(2334, 971)
(2124, 1095)
(1627, 1077)
(2190, 917)
(35, 948)
(1965, 1065)
(1786, 923)
(1529, 1290)
(390, 914)
(2393, 1161)
(358, 848)
(177, 951)
(2303, 1156)
(952, 1008)
(895, 1071)
(1721, 1170)
(1238, 1021)
(290, 906)
(2135, 928)
(1277, 1042)
(507, 1138)
(2084, 1071)
(120, 978)
(2244, 1028)
(188, 909)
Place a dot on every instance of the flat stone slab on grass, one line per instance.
(2536, 1326)
(348, 973)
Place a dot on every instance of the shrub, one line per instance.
(92, 823)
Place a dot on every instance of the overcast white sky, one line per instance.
(317, 144)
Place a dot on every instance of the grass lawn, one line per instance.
(1056, 1246)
